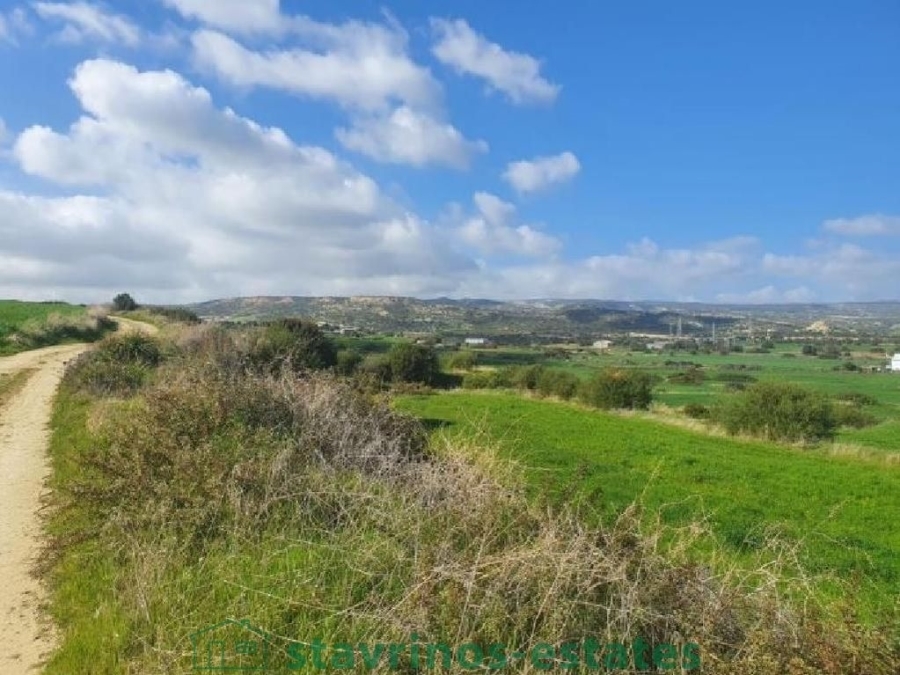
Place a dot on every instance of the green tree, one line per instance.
(124, 303)
(618, 388)
(779, 411)
(413, 363)
(298, 343)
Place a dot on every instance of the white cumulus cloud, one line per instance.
(542, 172)
(516, 75)
(492, 230)
(357, 65)
(407, 136)
(214, 202)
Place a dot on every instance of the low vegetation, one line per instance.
(840, 508)
(613, 388)
(779, 412)
(31, 325)
(10, 385)
(227, 481)
(294, 343)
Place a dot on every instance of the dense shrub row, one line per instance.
(614, 388)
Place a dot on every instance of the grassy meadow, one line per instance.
(842, 509)
(29, 325)
(785, 363)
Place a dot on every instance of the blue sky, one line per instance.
(189, 149)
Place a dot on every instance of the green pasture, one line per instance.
(844, 510)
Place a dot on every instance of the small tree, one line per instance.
(463, 360)
(124, 303)
(413, 363)
(618, 388)
(780, 412)
(300, 343)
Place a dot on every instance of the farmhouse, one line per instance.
(603, 345)
(895, 363)
(477, 342)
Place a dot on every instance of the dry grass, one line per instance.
(10, 385)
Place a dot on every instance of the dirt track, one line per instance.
(24, 466)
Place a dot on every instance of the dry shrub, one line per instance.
(204, 453)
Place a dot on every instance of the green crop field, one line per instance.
(844, 510)
(27, 325)
(784, 364)
(14, 313)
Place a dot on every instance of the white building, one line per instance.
(476, 342)
(603, 344)
(895, 363)
(658, 346)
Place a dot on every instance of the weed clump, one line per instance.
(118, 366)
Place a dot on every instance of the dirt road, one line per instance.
(27, 636)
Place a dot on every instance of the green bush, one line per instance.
(135, 349)
(526, 377)
(119, 365)
(853, 416)
(413, 363)
(177, 314)
(482, 379)
(348, 361)
(296, 343)
(779, 412)
(463, 360)
(618, 388)
(857, 398)
(694, 376)
(557, 383)
(375, 369)
(697, 411)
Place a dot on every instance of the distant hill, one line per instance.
(551, 317)
(489, 317)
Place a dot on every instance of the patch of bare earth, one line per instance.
(24, 466)
(27, 635)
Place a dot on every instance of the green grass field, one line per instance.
(809, 371)
(15, 313)
(17, 316)
(844, 510)
(29, 325)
